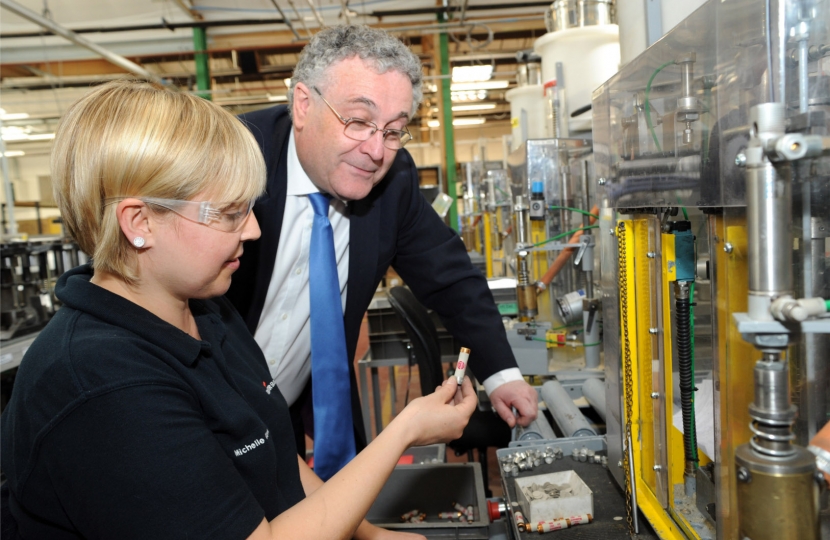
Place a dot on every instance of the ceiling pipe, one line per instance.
(287, 22)
(163, 25)
(59, 30)
(316, 13)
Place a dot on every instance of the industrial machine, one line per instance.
(713, 161)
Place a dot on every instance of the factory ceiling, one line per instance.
(252, 47)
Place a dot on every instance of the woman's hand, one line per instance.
(440, 416)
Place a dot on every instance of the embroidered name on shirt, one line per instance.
(270, 387)
(248, 447)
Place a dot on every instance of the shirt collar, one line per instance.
(298, 181)
(76, 291)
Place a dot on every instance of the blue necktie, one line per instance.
(334, 444)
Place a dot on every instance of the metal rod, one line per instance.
(59, 30)
(316, 13)
(287, 22)
(633, 487)
(566, 414)
(803, 65)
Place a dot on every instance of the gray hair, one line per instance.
(376, 47)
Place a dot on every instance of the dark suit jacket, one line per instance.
(393, 226)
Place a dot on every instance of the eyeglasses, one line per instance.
(362, 130)
(225, 217)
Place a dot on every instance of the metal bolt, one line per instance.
(658, 467)
(611, 232)
(740, 160)
(655, 395)
(650, 254)
(619, 464)
(653, 330)
(601, 181)
(727, 247)
(743, 475)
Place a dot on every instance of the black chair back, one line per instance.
(422, 335)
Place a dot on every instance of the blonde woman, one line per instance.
(142, 409)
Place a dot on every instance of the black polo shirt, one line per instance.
(123, 426)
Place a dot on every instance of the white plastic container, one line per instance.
(527, 113)
(590, 55)
(580, 500)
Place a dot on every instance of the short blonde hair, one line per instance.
(139, 139)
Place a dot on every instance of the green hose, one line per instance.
(564, 234)
(574, 210)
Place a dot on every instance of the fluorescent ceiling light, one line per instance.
(14, 116)
(458, 122)
(466, 74)
(484, 85)
(468, 121)
(475, 107)
(469, 95)
(42, 137)
(14, 153)
(277, 98)
(287, 82)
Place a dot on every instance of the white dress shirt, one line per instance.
(284, 330)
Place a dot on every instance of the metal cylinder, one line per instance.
(594, 12)
(769, 242)
(539, 429)
(687, 74)
(594, 392)
(777, 498)
(562, 15)
(525, 290)
(520, 221)
(570, 306)
(771, 412)
(768, 121)
(566, 414)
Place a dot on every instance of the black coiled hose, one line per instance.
(687, 380)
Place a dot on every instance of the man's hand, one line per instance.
(518, 395)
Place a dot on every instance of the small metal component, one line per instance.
(658, 467)
(653, 330)
(740, 160)
(655, 395)
(650, 254)
(601, 181)
(727, 247)
(450, 515)
(520, 520)
(743, 475)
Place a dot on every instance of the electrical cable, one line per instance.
(693, 433)
(647, 107)
(579, 210)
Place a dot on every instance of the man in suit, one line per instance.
(352, 94)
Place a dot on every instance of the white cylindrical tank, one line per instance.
(590, 55)
(527, 113)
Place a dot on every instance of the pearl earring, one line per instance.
(138, 242)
